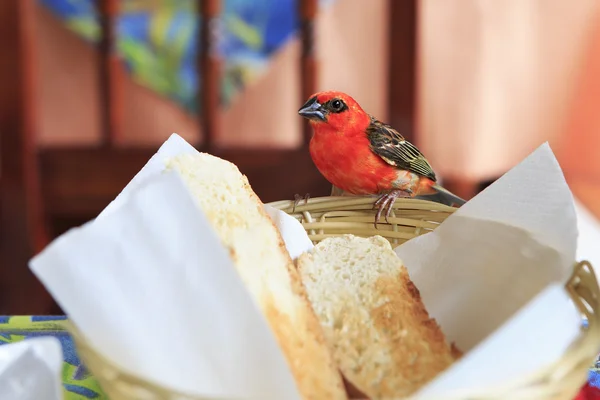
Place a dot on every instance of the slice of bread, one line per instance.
(384, 341)
(264, 265)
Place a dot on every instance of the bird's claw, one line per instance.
(386, 202)
(298, 199)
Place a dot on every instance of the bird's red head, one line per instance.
(336, 110)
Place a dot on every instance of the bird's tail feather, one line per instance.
(443, 196)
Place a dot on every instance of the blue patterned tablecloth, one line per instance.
(78, 383)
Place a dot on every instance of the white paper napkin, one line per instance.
(493, 274)
(151, 286)
(31, 370)
(293, 233)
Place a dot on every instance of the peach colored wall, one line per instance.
(265, 114)
(497, 79)
(580, 140)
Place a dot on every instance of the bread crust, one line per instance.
(265, 266)
(303, 340)
(384, 341)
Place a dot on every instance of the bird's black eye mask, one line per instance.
(314, 110)
(336, 106)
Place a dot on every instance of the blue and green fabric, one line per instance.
(77, 382)
(158, 40)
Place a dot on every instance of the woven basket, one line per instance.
(331, 216)
(323, 217)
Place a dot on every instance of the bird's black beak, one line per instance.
(312, 110)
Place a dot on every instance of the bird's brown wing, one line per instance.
(391, 146)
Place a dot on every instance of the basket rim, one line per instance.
(334, 202)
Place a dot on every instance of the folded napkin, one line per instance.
(31, 369)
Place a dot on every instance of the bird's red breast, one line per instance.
(344, 158)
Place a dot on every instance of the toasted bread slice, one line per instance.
(384, 341)
(265, 267)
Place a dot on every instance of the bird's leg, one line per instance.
(298, 198)
(386, 202)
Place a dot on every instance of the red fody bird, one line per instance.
(363, 156)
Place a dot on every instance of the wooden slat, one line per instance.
(67, 173)
(209, 67)
(22, 231)
(308, 67)
(402, 67)
(110, 75)
(403, 95)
